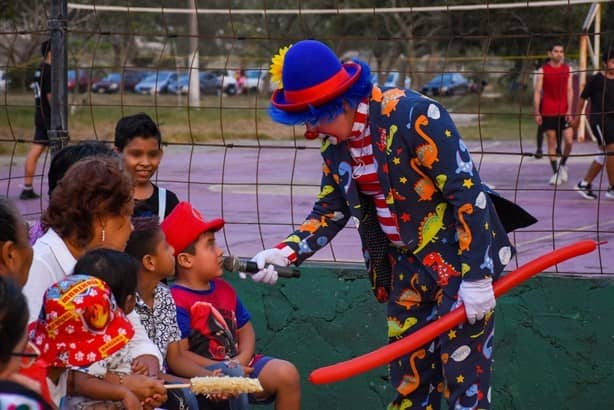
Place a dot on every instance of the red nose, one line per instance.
(311, 135)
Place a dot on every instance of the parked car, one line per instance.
(228, 81)
(253, 78)
(210, 83)
(179, 85)
(113, 81)
(156, 83)
(109, 84)
(446, 84)
(85, 79)
(133, 77)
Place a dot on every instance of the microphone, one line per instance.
(236, 264)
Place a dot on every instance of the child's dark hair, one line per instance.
(45, 48)
(132, 126)
(69, 155)
(13, 318)
(8, 221)
(117, 269)
(144, 238)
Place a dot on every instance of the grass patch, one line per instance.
(221, 118)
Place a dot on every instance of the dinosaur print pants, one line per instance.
(456, 365)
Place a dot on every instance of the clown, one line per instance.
(395, 164)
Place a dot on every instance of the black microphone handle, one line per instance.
(282, 271)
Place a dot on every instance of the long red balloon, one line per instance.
(386, 354)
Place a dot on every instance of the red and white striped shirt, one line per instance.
(364, 172)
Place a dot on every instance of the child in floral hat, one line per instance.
(81, 327)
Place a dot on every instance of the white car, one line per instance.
(253, 79)
(228, 80)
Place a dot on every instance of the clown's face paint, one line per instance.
(339, 127)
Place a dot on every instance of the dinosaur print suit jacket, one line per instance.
(432, 189)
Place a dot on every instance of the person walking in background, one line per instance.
(42, 120)
(552, 100)
(599, 90)
(395, 164)
(539, 137)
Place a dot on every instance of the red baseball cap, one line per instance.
(185, 224)
(80, 323)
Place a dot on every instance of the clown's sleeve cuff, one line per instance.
(287, 251)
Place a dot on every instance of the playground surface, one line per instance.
(263, 190)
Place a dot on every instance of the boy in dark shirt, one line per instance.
(139, 141)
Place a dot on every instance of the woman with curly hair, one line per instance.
(89, 208)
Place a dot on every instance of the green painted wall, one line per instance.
(554, 344)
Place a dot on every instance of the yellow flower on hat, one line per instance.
(277, 64)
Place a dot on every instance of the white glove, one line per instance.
(478, 298)
(267, 274)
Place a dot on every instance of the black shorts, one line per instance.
(603, 130)
(555, 123)
(40, 136)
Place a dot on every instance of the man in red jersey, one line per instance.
(552, 102)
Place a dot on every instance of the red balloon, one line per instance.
(386, 354)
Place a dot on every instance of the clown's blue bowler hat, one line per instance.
(312, 75)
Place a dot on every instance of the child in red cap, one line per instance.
(213, 318)
(158, 313)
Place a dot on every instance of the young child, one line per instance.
(231, 341)
(119, 271)
(139, 141)
(156, 307)
(81, 327)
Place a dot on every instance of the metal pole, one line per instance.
(597, 48)
(582, 80)
(194, 79)
(57, 23)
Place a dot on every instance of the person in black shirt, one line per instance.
(42, 120)
(599, 90)
(139, 141)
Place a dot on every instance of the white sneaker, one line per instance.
(585, 190)
(609, 194)
(563, 173)
(555, 179)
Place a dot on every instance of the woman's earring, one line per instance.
(103, 235)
